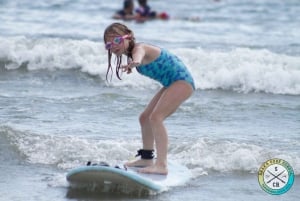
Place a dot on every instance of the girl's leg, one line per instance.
(147, 135)
(168, 102)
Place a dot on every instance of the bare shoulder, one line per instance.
(151, 52)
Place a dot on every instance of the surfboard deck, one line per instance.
(109, 179)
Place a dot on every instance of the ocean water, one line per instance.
(57, 111)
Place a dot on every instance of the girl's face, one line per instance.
(118, 44)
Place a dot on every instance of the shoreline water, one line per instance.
(57, 111)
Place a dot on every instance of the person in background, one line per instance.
(127, 13)
(144, 12)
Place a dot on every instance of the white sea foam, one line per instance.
(204, 155)
(201, 156)
(242, 69)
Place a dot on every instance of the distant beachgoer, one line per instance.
(144, 9)
(144, 12)
(127, 13)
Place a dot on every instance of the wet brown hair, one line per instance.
(118, 29)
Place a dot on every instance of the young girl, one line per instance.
(162, 66)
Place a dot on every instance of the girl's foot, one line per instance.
(139, 163)
(155, 169)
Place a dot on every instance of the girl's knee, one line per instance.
(152, 119)
(144, 118)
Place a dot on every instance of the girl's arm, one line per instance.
(138, 54)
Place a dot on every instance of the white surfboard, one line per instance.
(126, 180)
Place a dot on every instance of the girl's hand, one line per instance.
(128, 68)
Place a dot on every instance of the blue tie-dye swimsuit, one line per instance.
(166, 69)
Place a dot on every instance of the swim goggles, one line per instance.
(116, 41)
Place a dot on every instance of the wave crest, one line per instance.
(243, 70)
(202, 156)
